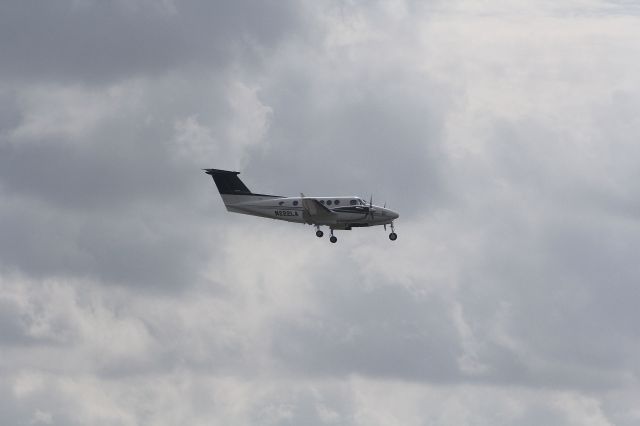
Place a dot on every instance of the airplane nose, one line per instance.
(393, 215)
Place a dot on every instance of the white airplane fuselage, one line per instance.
(348, 211)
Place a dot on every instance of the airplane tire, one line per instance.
(393, 236)
(333, 239)
(319, 234)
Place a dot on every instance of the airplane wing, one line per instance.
(315, 212)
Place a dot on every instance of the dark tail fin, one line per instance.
(228, 182)
(232, 190)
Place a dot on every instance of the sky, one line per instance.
(504, 133)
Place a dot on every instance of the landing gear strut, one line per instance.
(319, 233)
(393, 236)
(333, 239)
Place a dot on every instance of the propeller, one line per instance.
(385, 225)
(371, 209)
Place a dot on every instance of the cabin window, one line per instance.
(337, 202)
(321, 201)
(295, 203)
(353, 202)
(281, 203)
(328, 202)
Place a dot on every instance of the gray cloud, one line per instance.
(14, 330)
(97, 41)
(381, 332)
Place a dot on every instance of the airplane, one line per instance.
(343, 213)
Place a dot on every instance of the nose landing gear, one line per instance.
(393, 236)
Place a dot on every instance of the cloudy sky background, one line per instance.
(505, 134)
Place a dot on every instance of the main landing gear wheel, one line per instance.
(319, 233)
(333, 239)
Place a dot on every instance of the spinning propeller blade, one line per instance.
(371, 207)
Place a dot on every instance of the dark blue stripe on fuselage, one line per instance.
(351, 209)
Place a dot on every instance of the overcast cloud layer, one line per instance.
(506, 137)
